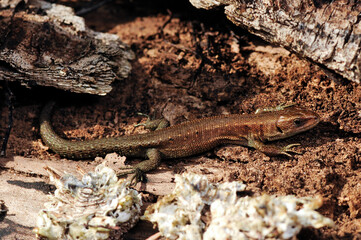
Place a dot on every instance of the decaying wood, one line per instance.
(327, 32)
(46, 44)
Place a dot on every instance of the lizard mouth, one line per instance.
(309, 121)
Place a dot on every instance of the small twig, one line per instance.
(199, 53)
(10, 100)
(93, 7)
(180, 47)
(155, 236)
(161, 30)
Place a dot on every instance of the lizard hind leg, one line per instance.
(139, 170)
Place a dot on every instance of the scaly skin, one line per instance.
(189, 138)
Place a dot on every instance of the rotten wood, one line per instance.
(46, 44)
(326, 32)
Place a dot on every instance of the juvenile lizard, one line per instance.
(189, 138)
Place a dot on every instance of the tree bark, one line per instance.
(327, 32)
(46, 44)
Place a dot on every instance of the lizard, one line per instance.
(189, 138)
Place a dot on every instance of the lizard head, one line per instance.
(293, 120)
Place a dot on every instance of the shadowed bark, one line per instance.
(46, 44)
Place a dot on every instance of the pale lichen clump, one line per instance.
(180, 215)
(264, 217)
(91, 208)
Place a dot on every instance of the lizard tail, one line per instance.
(74, 149)
(50, 138)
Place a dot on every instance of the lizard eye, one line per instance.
(297, 122)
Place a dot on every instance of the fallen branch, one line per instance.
(46, 44)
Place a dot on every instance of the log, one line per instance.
(44, 44)
(326, 32)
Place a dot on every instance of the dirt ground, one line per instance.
(190, 64)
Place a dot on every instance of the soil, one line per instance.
(190, 64)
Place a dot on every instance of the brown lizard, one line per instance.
(189, 138)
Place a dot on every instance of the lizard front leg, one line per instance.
(271, 149)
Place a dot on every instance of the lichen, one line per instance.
(91, 208)
(181, 215)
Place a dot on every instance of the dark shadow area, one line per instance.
(8, 227)
(39, 186)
